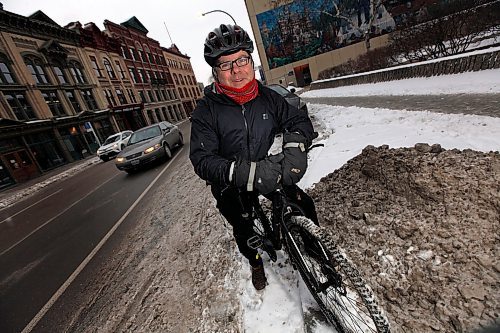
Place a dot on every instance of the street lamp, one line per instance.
(218, 10)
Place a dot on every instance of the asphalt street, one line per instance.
(45, 238)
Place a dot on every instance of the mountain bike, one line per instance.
(333, 280)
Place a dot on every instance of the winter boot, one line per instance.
(259, 280)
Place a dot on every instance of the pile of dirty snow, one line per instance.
(422, 224)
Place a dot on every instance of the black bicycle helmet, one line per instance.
(226, 39)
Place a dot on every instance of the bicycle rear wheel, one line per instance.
(333, 280)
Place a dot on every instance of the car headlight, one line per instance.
(120, 159)
(151, 149)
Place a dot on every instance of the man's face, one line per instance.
(236, 76)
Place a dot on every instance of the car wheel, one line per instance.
(104, 158)
(121, 147)
(130, 171)
(181, 139)
(168, 152)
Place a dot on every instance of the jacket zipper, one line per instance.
(243, 109)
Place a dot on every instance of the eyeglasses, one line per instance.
(228, 65)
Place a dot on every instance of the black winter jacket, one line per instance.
(223, 131)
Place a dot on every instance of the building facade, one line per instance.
(184, 78)
(296, 40)
(48, 103)
(64, 90)
(149, 72)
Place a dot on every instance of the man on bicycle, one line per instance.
(232, 129)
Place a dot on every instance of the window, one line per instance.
(133, 53)
(181, 78)
(150, 57)
(77, 72)
(35, 67)
(186, 93)
(181, 93)
(131, 95)
(109, 97)
(59, 74)
(17, 101)
(176, 79)
(143, 56)
(53, 103)
(109, 69)
(120, 70)
(133, 74)
(143, 97)
(158, 97)
(125, 54)
(5, 72)
(150, 94)
(121, 96)
(96, 68)
(72, 99)
(89, 99)
(142, 75)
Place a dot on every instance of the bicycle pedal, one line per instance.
(254, 242)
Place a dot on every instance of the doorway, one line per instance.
(303, 75)
(20, 165)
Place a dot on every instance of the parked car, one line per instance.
(149, 144)
(113, 145)
(290, 96)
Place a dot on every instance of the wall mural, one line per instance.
(305, 28)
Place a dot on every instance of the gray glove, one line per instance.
(263, 176)
(295, 161)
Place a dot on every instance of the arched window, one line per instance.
(6, 76)
(35, 66)
(182, 79)
(59, 73)
(109, 69)
(77, 72)
(176, 79)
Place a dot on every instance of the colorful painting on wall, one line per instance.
(305, 28)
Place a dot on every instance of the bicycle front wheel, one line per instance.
(333, 280)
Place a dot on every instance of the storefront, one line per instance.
(129, 117)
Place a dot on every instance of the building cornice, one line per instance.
(22, 25)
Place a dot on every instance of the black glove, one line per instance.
(263, 176)
(295, 161)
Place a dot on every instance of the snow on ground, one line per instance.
(345, 131)
(483, 82)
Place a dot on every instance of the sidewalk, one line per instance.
(478, 104)
(21, 190)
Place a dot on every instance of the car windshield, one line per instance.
(144, 134)
(112, 139)
(279, 89)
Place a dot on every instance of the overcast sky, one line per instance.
(187, 27)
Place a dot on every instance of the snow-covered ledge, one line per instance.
(465, 62)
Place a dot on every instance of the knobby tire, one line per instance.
(354, 311)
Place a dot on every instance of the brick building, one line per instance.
(47, 96)
(184, 79)
(147, 67)
(63, 90)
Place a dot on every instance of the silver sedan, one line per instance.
(149, 144)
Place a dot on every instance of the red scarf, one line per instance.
(239, 95)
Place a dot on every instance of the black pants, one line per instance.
(229, 205)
